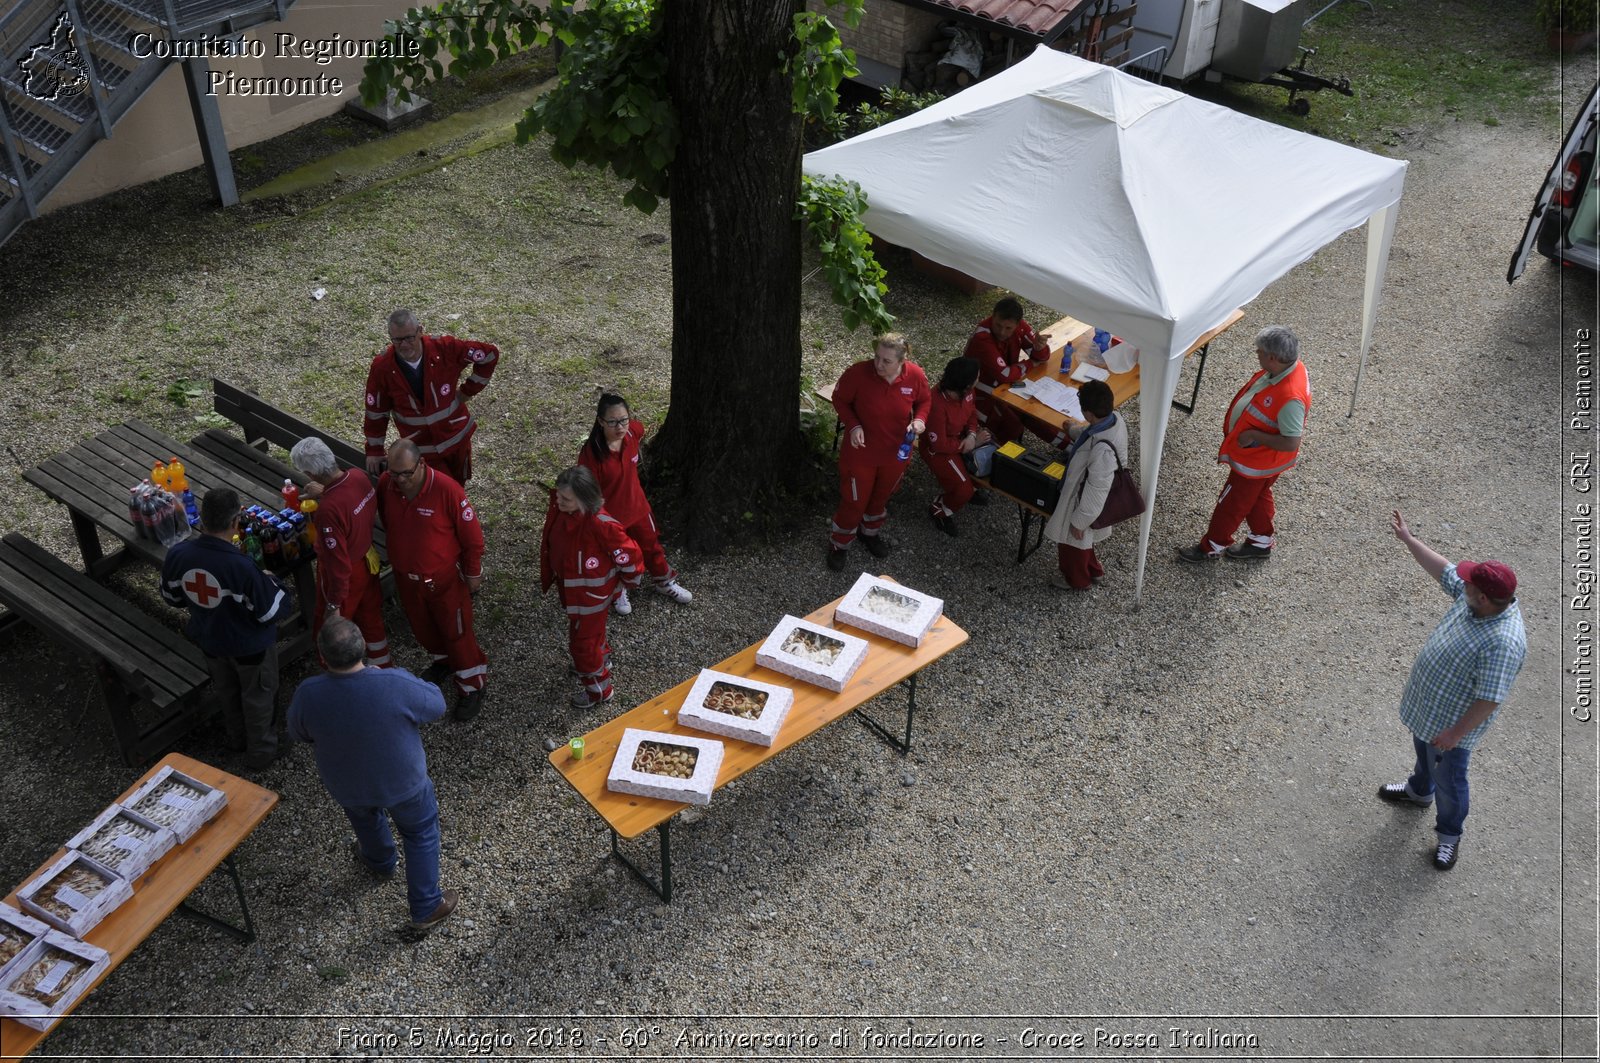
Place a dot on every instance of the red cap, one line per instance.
(1493, 578)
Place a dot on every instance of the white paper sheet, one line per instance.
(1086, 372)
(1057, 396)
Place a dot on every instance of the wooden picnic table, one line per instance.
(166, 886)
(93, 478)
(888, 664)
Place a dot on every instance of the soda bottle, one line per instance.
(307, 533)
(133, 511)
(252, 545)
(147, 510)
(288, 542)
(291, 494)
(904, 453)
(271, 548)
(177, 478)
(158, 473)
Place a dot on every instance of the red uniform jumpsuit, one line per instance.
(1247, 494)
(1002, 363)
(437, 419)
(618, 475)
(588, 556)
(345, 515)
(435, 542)
(949, 421)
(869, 474)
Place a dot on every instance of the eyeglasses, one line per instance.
(404, 474)
(398, 340)
(616, 422)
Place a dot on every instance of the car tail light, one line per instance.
(1568, 189)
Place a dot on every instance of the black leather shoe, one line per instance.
(469, 704)
(876, 546)
(1193, 555)
(437, 672)
(835, 559)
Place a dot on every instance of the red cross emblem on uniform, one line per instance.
(202, 588)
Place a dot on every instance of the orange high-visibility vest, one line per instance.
(1262, 415)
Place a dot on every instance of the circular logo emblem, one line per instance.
(372, 400)
(444, 389)
(333, 544)
(592, 563)
(466, 512)
(202, 588)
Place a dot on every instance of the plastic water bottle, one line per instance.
(1066, 360)
(1102, 339)
(904, 453)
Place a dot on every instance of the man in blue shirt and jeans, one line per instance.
(1459, 681)
(363, 724)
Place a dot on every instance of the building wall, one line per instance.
(888, 30)
(157, 137)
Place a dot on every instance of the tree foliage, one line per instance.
(832, 210)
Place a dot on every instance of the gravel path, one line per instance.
(1110, 815)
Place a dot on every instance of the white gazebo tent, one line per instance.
(1131, 206)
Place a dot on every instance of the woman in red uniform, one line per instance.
(952, 433)
(612, 454)
(883, 406)
(586, 552)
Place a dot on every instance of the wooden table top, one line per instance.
(1124, 386)
(887, 664)
(94, 477)
(162, 888)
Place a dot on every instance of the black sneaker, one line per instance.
(1396, 793)
(1194, 555)
(437, 672)
(979, 498)
(835, 559)
(876, 546)
(944, 524)
(1448, 854)
(469, 704)
(1247, 551)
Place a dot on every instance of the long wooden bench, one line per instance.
(151, 675)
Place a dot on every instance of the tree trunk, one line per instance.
(731, 443)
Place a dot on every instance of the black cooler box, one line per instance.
(1027, 476)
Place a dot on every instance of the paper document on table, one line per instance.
(1057, 396)
(1087, 372)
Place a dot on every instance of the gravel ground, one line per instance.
(1115, 823)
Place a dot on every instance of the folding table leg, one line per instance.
(662, 889)
(1199, 371)
(1024, 551)
(246, 933)
(904, 746)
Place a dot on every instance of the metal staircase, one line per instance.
(69, 72)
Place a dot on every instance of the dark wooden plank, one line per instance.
(66, 484)
(261, 419)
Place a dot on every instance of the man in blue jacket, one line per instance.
(364, 725)
(234, 609)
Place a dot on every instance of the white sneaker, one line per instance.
(676, 591)
(622, 606)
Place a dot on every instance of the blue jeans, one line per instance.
(417, 820)
(1443, 774)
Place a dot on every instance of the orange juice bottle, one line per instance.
(159, 474)
(177, 478)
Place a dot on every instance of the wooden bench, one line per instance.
(1026, 511)
(151, 675)
(167, 885)
(888, 664)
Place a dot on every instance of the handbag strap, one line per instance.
(1114, 454)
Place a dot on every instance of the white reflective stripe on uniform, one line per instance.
(868, 517)
(855, 495)
(375, 441)
(1257, 474)
(459, 436)
(585, 581)
(476, 379)
(277, 600)
(437, 415)
(588, 610)
(468, 673)
(373, 415)
(840, 531)
(1262, 415)
(987, 389)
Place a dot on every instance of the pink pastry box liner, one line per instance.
(176, 801)
(736, 707)
(124, 841)
(48, 977)
(74, 893)
(821, 656)
(706, 754)
(890, 609)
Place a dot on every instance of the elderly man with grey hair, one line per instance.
(347, 570)
(417, 380)
(1260, 442)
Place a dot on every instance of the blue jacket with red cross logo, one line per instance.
(233, 606)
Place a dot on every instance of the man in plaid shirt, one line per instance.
(1457, 684)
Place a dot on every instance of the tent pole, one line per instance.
(1380, 237)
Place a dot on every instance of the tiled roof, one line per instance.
(1031, 16)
